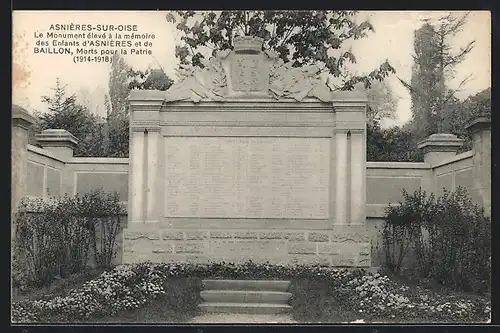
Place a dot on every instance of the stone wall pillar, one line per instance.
(58, 141)
(146, 155)
(480, 129)
(439, 147)
(21, 122)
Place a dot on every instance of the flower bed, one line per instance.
(370, 296)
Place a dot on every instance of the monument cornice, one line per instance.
(245, 123)
(145, 107)
(350, 125)
(349, 130)
(346, 106)
(145, 128)
(249, 107)
(142, 125)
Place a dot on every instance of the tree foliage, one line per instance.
(122, 80)
(433, 69)
(390, 145)
(457, 117)
(151, 79)
(65, 113)
(381, 102)
(302, 37)
(117, 129)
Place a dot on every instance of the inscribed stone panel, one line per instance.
(109, 182)
(53, 183)
(247, 177)
(386, 190)
(34, 180)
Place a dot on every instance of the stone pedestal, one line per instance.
(480, 129)
(58, 141)
(439, 147)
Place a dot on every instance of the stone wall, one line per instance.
(50, 174)
(300, 240)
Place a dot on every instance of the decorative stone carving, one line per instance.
(244, 70)
(297, 82)
(196, 85)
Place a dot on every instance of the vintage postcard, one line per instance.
(251, 167)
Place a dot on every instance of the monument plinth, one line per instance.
(248, 158)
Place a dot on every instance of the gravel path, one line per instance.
(243, 319)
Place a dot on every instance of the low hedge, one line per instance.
(371, 296)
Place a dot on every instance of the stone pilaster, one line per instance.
(350, 137)
(146, 150)
(341, 181)
(480, 129)
(358, 176)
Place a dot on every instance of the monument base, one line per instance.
(342, 246)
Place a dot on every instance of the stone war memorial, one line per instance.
(248, 159)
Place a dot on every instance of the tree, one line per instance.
(381, 102)
(151, 79)
(300, 37)
(117, 123)
(65, 113)
(434, 67)
(118, 86)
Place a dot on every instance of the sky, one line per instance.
(392, 40)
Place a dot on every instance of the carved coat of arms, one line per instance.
(246, 73)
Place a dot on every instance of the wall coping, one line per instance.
(479, 124)
(441, 142)
(21, 117)
(398, 165)
(456, 158)
(98, 160)
(54, 137)
(43, 152)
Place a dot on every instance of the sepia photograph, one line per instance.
(254, 166)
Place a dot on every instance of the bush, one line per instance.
(450, 238)
(461, 238)
(53, 237)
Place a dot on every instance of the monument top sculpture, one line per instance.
(248, 71)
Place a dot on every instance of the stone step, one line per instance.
(258, 285)
(245, 296)
(246, 308)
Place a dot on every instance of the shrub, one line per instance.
(450, 237)
(53, 237)
(405, 227)
(102, 212)
(38, 241)
(461, 237)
